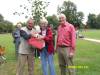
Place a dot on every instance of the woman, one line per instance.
(46, 53)
(16, 37)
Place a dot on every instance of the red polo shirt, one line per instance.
(66, 36)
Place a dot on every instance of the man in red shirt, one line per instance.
(65, 45)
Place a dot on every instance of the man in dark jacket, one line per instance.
(26, 53)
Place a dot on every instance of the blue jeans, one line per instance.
(47, 61)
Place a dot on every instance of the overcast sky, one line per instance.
(7, 7)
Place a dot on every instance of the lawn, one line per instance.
(92, 33)
(87, 54)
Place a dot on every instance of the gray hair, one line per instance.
(19, 24)
(44, 20)
(62, 15)
(30, 19)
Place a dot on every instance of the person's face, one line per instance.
(43, 25)
(30, 24)
(19, 26)
(62, 20)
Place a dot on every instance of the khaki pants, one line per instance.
(65, 62)
(22, 58)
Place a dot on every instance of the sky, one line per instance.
(8, 7)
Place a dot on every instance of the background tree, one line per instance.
(1, 18)
(98, 22)
(80, 18)
(70, 10)
(24, 24)
(1, 27)
(53, 20)
(5, 26)
(91, 22)
(8, 26)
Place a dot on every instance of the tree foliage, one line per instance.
(38, 10)
(70, 10)
(1, 18)
(5, 26)
(34, 9)
(98, 22)
(53, 20)
(93, 21)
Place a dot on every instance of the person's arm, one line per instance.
(56, 46)
(73, 39)
(49, 36)
(24, 35)
(16, 33)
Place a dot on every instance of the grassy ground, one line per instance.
(6, 40)
(91, 34)
(87, 54)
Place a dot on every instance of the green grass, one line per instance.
(87, 54)
(92, 33)
(6, 40)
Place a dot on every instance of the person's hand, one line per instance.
(34, 34)
(40, 37)
(55, 50)
(71, 54)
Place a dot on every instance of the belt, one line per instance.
(63, 46)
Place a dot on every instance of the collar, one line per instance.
(28, 28)
(65, 24)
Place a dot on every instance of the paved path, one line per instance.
(93, 40)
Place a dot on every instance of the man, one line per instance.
(16, 37)
(26, 53)
(65, 45)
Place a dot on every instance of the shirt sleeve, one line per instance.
(49, 36)
(24, 35)
(16, 34)
(73, 38)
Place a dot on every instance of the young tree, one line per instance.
(38, 10)
(35, 9)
